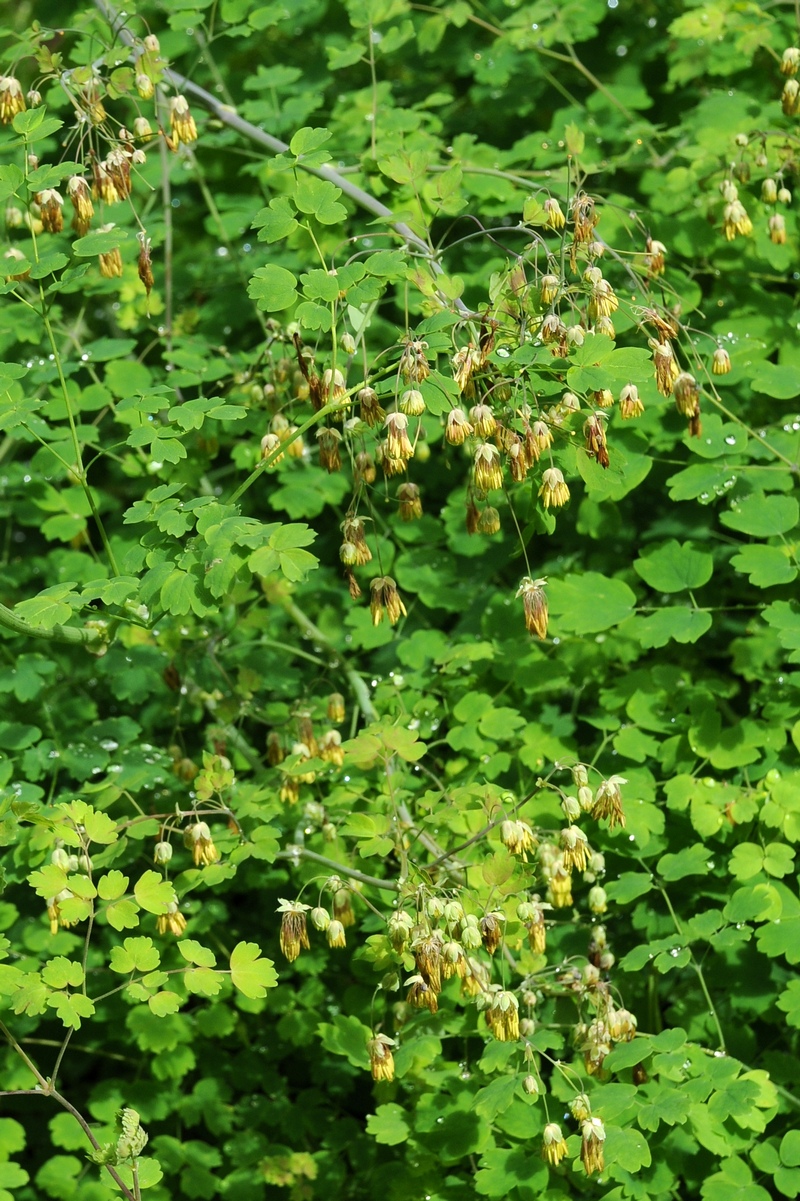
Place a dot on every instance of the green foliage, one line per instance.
(399, 781)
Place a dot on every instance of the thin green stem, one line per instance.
(296, 852)
(58, 633)
(280, 450)
(80, 469)
(704, 987)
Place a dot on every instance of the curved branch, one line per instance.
(58, 633)
(296, 852)
(228, 116)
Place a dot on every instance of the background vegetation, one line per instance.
(400, 781)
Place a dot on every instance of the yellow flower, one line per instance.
(294, 935)
(381, 1060)
(629, 403)
(181, 120)
(593, 1134)
(554, 491)
(554, 1146)
(12, 100)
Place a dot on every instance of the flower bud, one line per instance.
(790, 60)
(554, 491)
(554, 1146)
(412, 403)
(181, 121)
(549, 288)
(571, 808)
(335, 934)
(555, 217)
(721, 362)
(629, 403)
(320, 918)
(162, 853)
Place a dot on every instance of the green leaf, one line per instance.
(112, 885)
(747, 860)
(11, 1176)
(251, 974)
(347, 1036)
(71, 1008)
(733, 1183)
(11, 180)
(275, 222)
(627, 1055)
(12, 1137)
(503, 1171)
(778, 859)
(495, 1097)
(781, 936)
(153, 893)
(789, 1002)
(575, 138)
(691, 861)
(49, 881)
(122, 915)
(668, 1105)
(308, 139)
(629, 886)
(16, 735)
(585, 604)
(789, 1149)
(320, 198)
(25, 123)
(53, 606)
(135, 954)
(99, 827)
(675, 567)
(681, 624)
(100, 242)
(62, 973)
(194, 952)
(778, 380)
(701, 481)
(626, 1149)
(754, 903)
(202, 981)
(273, 287)
(388, 1125)
(762, 516)
(163, 1003)
(766, 566)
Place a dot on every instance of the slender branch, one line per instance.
(711, 1006)
(357, 684)
(26, 1059)
(295, 852)
(45, 1089)
(63, 1048)
(87, 1130)
(279, 451)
